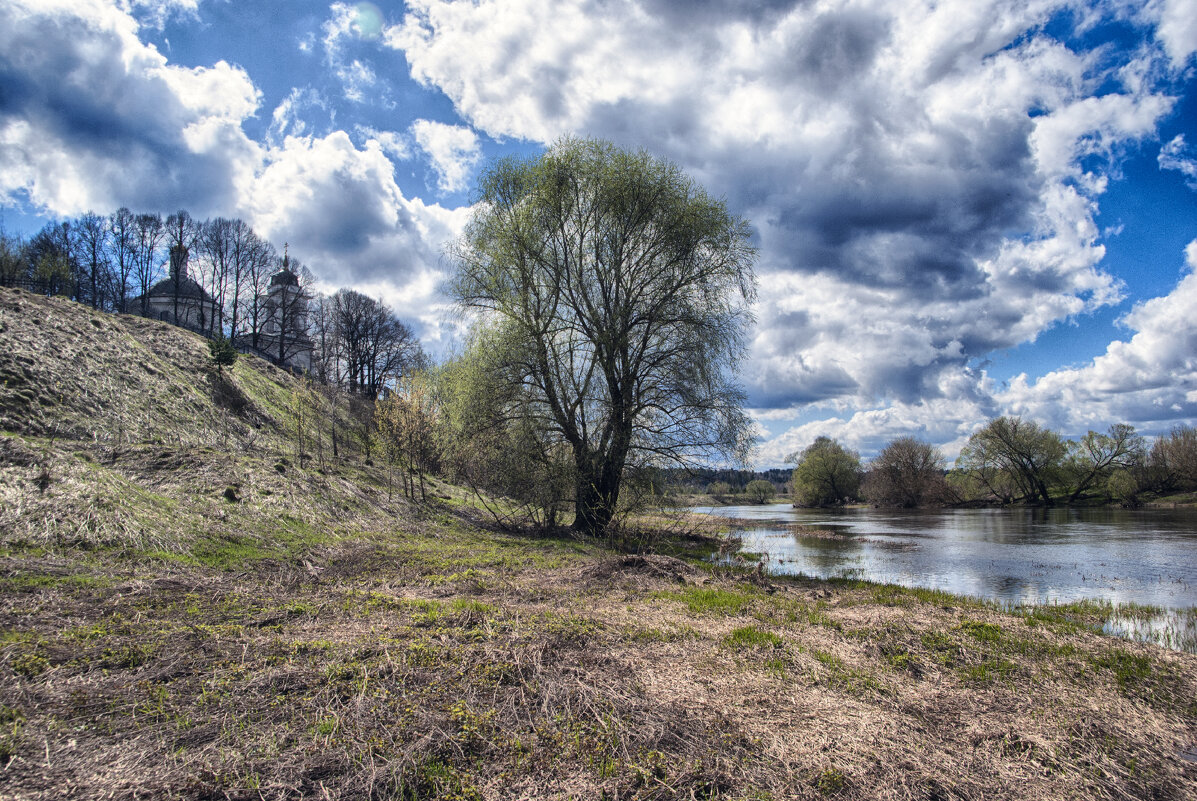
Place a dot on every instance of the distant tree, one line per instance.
(122, 232)
(618, 293)
(719, 490)
(825, 474)
(13, 259)
(150, 233)
(760, 491)
(1095, 457)
(907, 473)
(51, 256)
(1173, 460)
(1021, 452)
(1124, 486)
(222, 353)
(91, 243)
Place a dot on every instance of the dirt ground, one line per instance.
(202, 599)
(445, 660)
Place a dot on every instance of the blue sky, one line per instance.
(964, 208)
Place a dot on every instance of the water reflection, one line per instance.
(1019, 556)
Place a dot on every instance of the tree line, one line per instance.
(112, 262)
(1008, 461)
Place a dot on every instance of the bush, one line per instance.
(760, 491)
(719, 490)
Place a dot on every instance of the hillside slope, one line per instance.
(189, 610)
(136, 440)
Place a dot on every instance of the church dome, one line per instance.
(284, 277)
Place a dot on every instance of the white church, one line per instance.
(283, 339)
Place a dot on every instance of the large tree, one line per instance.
(1010, 449)
(617, 292)
(907, 473)
(1093, 458)
(826, 474)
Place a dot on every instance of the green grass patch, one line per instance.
(752, 637)
(990, 670)
(713, 600)
(1131, 671)
(838, 674)
(985, 632)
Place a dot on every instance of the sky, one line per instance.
(963, 208)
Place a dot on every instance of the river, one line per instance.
(1012, 556)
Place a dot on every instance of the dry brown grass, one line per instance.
(313, 639)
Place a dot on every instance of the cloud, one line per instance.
(92, 118)
(393, 144)
(1176, 155)
(155, 13)
(923, 177)
(1150, 378)
(1177, 27)
(452, 149)
(346, 25)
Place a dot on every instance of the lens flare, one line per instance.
(368, 20)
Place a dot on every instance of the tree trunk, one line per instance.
(596, 495)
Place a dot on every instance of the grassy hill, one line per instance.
(188, 609)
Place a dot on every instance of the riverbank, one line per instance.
(205, 593)
(435, 657)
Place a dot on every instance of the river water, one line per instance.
(1013, 556)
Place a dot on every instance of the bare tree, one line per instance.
(1174, 459)
(122, 227)
(216, 245)
(150, 233)
(907, 473)
(373, 346)
(247, 247)
(181, 234)
(92, 240)
(322, 324)
(260, 263)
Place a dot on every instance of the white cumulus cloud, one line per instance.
(453, 151)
